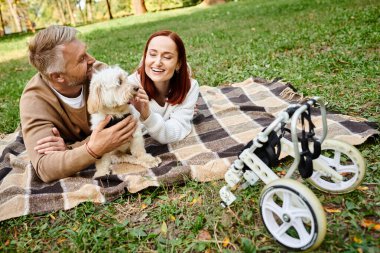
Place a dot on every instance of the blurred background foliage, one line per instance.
(19, 16)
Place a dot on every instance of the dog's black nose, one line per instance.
(136, 88)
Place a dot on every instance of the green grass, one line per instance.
(326, 48)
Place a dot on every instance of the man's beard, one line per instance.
(79, 82)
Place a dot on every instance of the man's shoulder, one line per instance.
(35, 83)
(36, 90)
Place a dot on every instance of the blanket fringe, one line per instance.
(17, 162)
(289, 94)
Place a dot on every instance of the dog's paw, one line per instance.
(115, 159)
(99, 174)
(150, 161)
(102, 171)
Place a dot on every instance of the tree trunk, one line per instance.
(30, 26)
(83, 15)
(211, 2)
(109, 9)
(60, 11)
(2, 33)
(16, 19)
(89, 10)
(139, 7)
(72, 18)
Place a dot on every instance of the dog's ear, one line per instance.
(121, 78)
(93, 101)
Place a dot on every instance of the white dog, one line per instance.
(110, 94)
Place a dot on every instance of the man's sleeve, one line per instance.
(36, 125)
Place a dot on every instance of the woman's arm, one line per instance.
(178, 126)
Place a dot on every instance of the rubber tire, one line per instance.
(353, 154)
(310, 200)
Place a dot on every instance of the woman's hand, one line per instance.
(51, 144)
(141, 103)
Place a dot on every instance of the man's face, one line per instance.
(78, 63)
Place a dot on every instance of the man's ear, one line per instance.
(57, 77)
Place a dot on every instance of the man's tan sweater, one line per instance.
(40, 111)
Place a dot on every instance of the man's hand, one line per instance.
(51, 144)
(104, 140)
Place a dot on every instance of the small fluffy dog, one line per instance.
(110, 94)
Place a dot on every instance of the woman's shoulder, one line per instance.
(194, 85)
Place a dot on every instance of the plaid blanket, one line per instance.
(228, 118)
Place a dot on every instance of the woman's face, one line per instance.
(161, 59)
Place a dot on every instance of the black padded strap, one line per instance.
(114, 120)
(305, 166)
(270, 152)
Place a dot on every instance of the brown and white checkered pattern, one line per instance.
(228, 118)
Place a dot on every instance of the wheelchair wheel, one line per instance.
(346, 160)
(293, 215)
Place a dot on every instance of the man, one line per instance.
(53, 110)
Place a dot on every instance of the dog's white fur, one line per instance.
(110, 93)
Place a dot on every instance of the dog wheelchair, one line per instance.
(290, 211)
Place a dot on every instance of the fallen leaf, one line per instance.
(358, 239)
(362, 188)
(367, 223)
(7, 242)
(332, 210)
(143, 206)
(226, 241)
(182, 196)
(52, 216)
(196, 201)
(360, 250)
(61, 240)
(204, 235)
(172, 217)
(164, 228)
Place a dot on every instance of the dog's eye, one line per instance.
(121, 79)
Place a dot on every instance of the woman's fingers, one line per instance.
(50, 146)
(47, 139)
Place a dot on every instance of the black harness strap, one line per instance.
(270, 152)
(305, 166)
(114, 121)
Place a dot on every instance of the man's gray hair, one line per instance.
(45, 49)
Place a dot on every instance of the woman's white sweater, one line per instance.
(170, 123)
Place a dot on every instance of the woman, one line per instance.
(168, 98)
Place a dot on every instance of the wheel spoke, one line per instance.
(347, 169)
(273, 207)
(328, 160)
(286, 201)
(299, 226)
(337, 156)
(282, 229)
(300, 213)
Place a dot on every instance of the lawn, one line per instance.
(328, 48)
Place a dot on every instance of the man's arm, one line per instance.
(37, 122)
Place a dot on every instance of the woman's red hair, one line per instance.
(180, 83)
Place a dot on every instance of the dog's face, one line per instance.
(110, 91)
